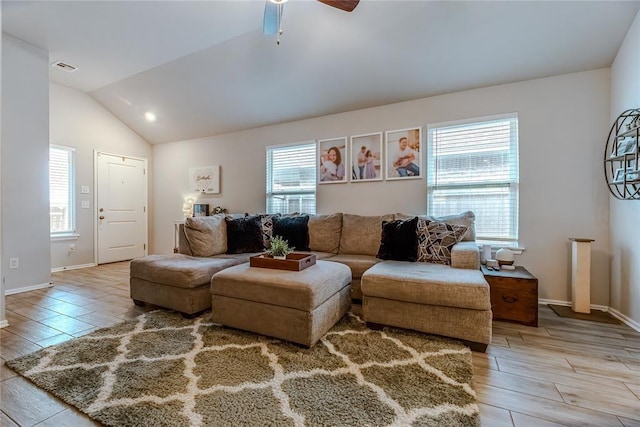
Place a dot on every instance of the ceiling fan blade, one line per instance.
(270, 23)
(346, 5)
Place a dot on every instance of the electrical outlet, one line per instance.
(14, 262)
(84, 189)
(86, 204)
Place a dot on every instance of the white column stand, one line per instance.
(581, 275)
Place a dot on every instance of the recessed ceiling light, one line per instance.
(150, 116)
(278, 1)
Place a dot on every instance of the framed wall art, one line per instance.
(205, 179)
(366, 157)
(624, 146)
(404, 158)
(200, 209)
(332, 161)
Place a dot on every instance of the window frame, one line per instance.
(269, 193)
(512, 183)
(71, 233)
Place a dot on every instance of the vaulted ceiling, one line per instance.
(205, 68)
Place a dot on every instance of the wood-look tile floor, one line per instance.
(565, 372)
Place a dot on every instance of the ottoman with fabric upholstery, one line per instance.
(179, 282)
(297, 306)
(432, 298)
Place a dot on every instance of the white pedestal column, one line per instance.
(581, 275)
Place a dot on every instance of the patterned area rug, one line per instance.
(161, 369)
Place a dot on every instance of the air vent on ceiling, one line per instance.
(64, 66)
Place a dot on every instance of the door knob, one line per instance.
(101, 217)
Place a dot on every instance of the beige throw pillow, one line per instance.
(325, 232)
(207, 235)
(362, 234)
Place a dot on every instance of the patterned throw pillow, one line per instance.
(435, 240)
(266, 221)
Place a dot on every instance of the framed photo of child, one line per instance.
(332, 160)
(366, 157)
(404, 158)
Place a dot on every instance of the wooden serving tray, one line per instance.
(295, 261)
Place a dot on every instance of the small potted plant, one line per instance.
(280, 248)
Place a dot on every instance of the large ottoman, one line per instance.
(432, 298)
(179, 282)
(297, 306)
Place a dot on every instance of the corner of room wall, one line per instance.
(3, 318)
(624, 214)
(25, 160)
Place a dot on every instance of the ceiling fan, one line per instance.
(272, 23)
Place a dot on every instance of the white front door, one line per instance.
(121, 194)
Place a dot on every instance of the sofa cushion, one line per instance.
(179, 270)
(244, 235)
(399, 240)
(467, 218)
(295, 230)
(357, 263)
(436, 239)
(426, 283)
(206, 235)
(319, 255)
(324, 232)
(361, 234)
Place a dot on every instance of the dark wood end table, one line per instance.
(514, 295)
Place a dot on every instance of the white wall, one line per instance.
(563, 123)
(625, 232)
(3, 319)
(80, 122)
(25, 164)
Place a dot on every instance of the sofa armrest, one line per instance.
(465, 255)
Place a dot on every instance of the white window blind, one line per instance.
(291, 178)
(62, 218)
(474, 166)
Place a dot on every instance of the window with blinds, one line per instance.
(291, 178)
(474, 166)
(62, 218)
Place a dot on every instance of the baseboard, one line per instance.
(73, 267)
(3, 324)
(553, 301)
(568, 304)
(28, 288)
(624, 319)
(615, 313)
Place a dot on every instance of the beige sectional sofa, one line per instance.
(450, 300)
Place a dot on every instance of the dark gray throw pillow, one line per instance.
(399, 240)
(244, 235)
(294, 230)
